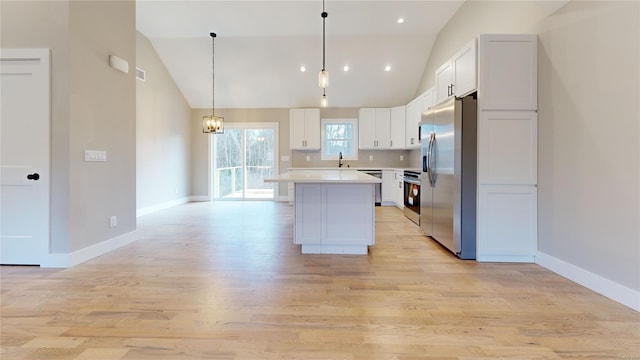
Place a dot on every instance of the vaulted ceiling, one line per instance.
(261, 46)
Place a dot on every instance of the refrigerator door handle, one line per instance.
(425, 163)
(432, 160)
(429, 153)
(432, 165)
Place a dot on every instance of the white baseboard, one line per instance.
(506, 258)
(61, 260)
(614, 291)
(199, 198)
(158, 207)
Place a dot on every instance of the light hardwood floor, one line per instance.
(224, 281)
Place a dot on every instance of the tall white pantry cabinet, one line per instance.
(507, 148)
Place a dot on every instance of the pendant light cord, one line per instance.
(324, 17)
(213, 75)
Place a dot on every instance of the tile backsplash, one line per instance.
(381, 158)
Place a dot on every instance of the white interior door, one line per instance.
(24, 155)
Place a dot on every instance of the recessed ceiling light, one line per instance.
(400, 20)
(346, 68)
(387, 68)
(303, 69)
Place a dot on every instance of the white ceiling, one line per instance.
(261, 46)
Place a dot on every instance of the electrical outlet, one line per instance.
(308, 158)
(113, 221)
(370, 157)
(401, 157)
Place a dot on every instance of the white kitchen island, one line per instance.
(334, 210)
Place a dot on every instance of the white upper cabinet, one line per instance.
(509, 72)
(398, 124)
(413, 116)
(426, 100)
(374, 129)
(465, 70)
(367, 129)
(444, 81)
(304, 127)
(457, 76)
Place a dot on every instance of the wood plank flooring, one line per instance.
(224, 281)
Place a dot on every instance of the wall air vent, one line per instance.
(141, 74)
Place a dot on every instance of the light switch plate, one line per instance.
(95, 155)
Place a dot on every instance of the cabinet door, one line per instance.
(383, 128)
(507, 223)
(465, 70)
(308, 214)
(388, 187)
(367, 129)
(312, 129)
(427, 100)
(508, 147)
(398, 123)
(444, 80)
(297, 129)
(411, 140)
(399, 188)
(509, 72)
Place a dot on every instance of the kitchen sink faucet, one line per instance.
(340, 160)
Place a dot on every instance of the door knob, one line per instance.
(34, 176)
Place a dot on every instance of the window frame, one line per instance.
(354, 143)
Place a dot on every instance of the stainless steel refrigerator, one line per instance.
(448, 179)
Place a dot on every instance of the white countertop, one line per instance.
(325, 176)
(353, 168)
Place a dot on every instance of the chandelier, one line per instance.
(212, 124)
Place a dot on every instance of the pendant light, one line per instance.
(212, 124)
(323, 77)
(324, 102)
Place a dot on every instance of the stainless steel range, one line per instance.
(412, 196)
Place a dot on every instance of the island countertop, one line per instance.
(325, 177)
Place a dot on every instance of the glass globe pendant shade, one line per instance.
(323, 79)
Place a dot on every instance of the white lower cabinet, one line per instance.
(393, 188)
(398, 184)
(308, 208)
(388, 188)
(507, 223)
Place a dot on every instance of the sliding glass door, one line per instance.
(243, 157)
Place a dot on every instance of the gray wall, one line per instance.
(93, 107)
(163, 134)
(588, 123)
